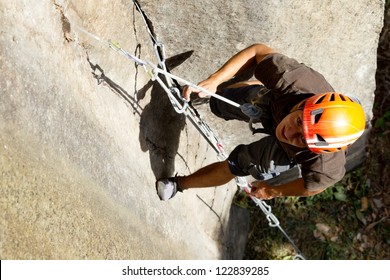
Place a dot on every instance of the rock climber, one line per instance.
(309, 126)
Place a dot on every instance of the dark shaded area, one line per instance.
(102, 79)
(235, 237)
(161, 125)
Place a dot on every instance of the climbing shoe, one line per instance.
(167, 188)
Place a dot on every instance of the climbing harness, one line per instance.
(181, 106)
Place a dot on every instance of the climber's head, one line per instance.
(325, 123)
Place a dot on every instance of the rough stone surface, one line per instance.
(338, 39)
(84, 134)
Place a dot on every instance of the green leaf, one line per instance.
(360, 216)
(387, 115)
(380, 123)
(340, 196)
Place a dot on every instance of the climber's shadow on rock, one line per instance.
(161, 125)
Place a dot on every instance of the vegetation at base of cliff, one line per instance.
(346, 221)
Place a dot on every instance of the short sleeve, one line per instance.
(286, 75)
(323, 171)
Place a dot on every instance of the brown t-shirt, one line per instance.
(292, 82)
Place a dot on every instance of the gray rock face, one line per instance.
(336, 38)
(84, 133)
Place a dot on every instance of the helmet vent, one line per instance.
(332, 97)
(320, 99)
(342, 97)
(317, 118)
(317, 114)
(321, 141)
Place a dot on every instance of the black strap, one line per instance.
(262, 130)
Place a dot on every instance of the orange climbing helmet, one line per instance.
(332, 122)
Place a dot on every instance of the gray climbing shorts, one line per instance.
(264, 158)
